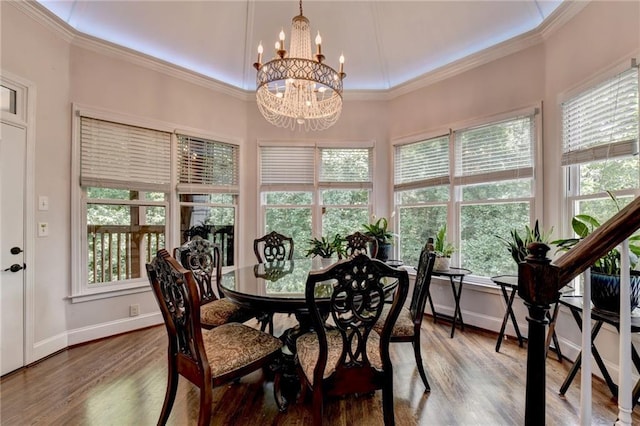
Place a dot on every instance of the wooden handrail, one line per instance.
(539, 281)
(598, 243)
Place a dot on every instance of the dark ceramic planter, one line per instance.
(384, 251)
(605, 291)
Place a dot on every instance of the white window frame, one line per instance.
(571, 172)
(80, 289)
(455, 203)
(316, 187)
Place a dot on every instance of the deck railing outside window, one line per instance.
(119, 252)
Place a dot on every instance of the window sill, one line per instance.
(108, 292)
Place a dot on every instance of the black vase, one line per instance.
(384, 251)
(605, 291)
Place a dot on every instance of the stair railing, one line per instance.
(539, 284)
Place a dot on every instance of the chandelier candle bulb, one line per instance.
(260, 50)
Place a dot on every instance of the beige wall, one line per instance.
(39, 55)
(603, 33)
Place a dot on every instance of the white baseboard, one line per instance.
(99, 331)
(46, 347)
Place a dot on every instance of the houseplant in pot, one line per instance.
(605, 273)
(443, 250)
(517, 244)
(325, 248)
(378, 230)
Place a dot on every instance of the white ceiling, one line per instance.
(385, 43)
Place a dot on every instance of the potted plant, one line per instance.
(325, 248)
(605, 273)
(517, 245)
(443, 250)
(378, 230)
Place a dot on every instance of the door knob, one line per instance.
(16, 250)
(15, 267)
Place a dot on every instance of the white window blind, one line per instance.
(206, 165)
(423, 163)
(121, 156)
(496, 151)
(345, 165)
(602, 122)
(287, 165)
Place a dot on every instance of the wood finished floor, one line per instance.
(121, 381)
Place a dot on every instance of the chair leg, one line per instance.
(418, 354)
(170, 395)
(387, 401)
(317, 406)
(206, 399)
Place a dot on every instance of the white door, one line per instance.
(13, 143)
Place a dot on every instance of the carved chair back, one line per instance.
(202, 257)
(272, 247)
(422, 284)
(177, 294)
(360, 243)
(357, 298)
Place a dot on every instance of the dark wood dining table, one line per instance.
(279, 287)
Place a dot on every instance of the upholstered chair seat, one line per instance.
(230, 347)
(222, 311)
(308, 349)
(403, 327)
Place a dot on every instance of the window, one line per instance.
(422, 193)
(131, 178)
(477, 180)
(600, 146)
(315, 190)
(124, 177)
(207, 190)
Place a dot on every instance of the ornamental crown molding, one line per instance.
(564, 13)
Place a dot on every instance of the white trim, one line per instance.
(565, 12)
(111, 328)
(596, 78)
(107, 291)
(27, 120)
(48, 346)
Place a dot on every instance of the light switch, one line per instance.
(43, 203)
(43, 229)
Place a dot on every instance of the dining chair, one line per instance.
(203, 259)
(349, 356)
(409, 323)
(272, 247)
(360, 243)
(207, 358)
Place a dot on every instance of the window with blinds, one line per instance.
(287, 165)
(421, 164)
(120, 156)
(205, 165)
(496, 151)
(340, 165)
(602, 122)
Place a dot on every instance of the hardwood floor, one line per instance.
(121, 381)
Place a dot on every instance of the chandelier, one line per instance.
(296, 88)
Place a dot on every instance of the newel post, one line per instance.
(538, 287)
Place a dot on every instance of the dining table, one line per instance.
(279, 287)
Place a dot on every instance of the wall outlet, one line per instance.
(134, 310)
(43, 229)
